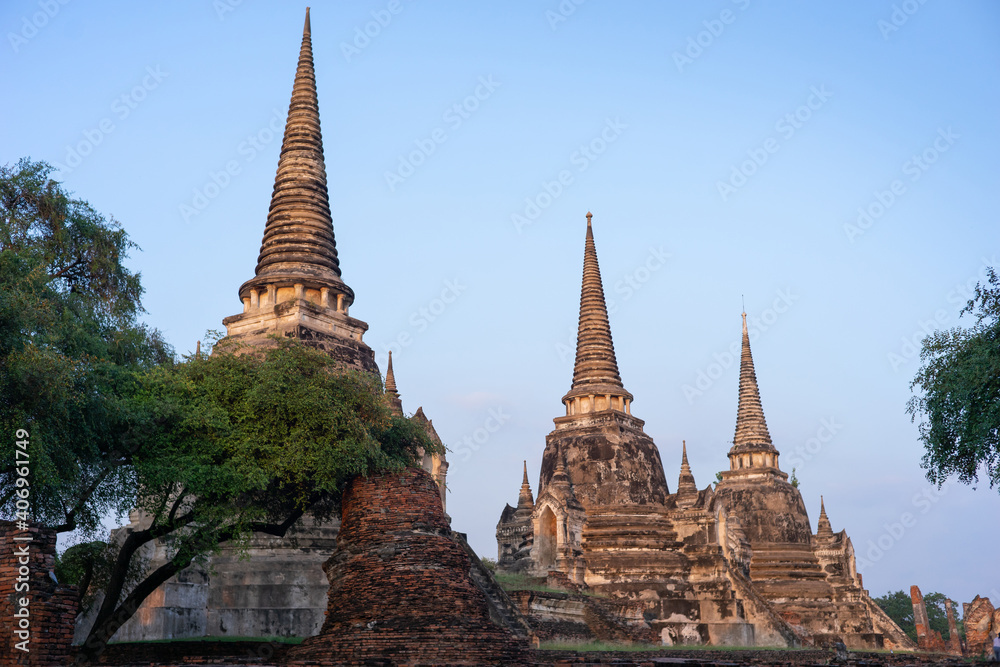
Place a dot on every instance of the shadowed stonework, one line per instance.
(737, 564)
(400, 585)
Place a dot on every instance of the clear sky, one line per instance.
(834, 164)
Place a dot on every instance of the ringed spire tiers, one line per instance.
(597, 383)
(751, 427)
(297, 290)
(298, 247)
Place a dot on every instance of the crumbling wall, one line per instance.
(40, 633)
(927, 639)
(978, 626)
(400, 589)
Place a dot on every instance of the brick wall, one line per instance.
(52, 608)
(400, 589)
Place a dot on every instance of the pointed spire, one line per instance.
(391, 394)
(596, 369)
(823, 527)
(298, 244)
(687, 490)
(751, 429)
(525, 500)
(390, 377)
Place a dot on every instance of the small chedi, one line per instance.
(734, 565)
(297, 291)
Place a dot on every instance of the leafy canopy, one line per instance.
(252, 434)
(959, 408)
(71, 350)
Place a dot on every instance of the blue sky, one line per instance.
(834, 165)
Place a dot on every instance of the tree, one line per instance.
(899, 608)
(246, 440)
(959, 408)
(210, 449)
(937, 615)
(71, 350)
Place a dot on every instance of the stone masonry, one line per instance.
(278, 587)
(927, 638)
(738, 564)
(27, 562)
(400, 588)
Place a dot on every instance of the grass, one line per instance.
(263, 640)
(636, 648)
(522, 582)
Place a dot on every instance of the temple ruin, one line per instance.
(737, 564)
(278, 588)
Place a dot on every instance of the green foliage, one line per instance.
(794, 481)
(959, 408)
(900, 609)
(247, 440)
(490, 564)
(937, 615)
(74, 563)
(71, 350)
(249, 435)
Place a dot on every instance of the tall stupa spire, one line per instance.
(297, 291)
(298, 245)
(595, 373)
(752, 447)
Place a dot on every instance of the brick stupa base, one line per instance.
(400, 590)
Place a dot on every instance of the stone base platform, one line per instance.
(264, 654)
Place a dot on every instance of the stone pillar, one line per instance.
(927, 639)
(52, 608)
(954, 641)
(300, 291)
(340, 303)
(324, 297)
(254, 299)
(272, 295)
